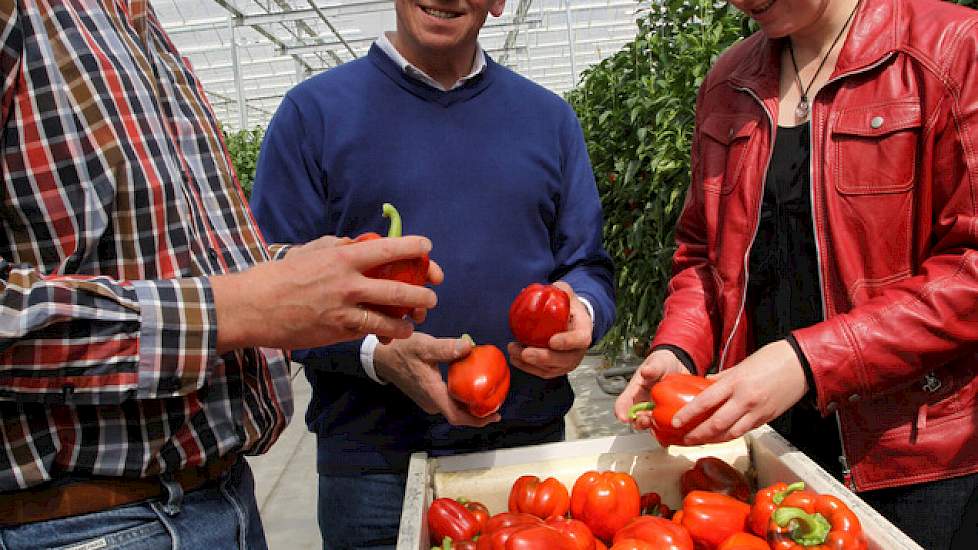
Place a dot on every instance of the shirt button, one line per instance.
(876, 122)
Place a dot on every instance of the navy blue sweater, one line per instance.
(495, 173)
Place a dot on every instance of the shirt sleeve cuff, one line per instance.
(177, 336)
(589, 308)
(367, 357)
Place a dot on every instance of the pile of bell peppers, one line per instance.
(607, 512)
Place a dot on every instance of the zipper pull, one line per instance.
(847, 474)
(931, 383)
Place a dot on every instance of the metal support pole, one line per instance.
(570, 42)
(238, 81)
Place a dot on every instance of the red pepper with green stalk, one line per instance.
(666, 397)
(478, 511)
(660, 533)
(605, 501)
(448, 518)
(414, 271)
(809, 521)
(538, 312)
(712, 474)
(652, 506)
(544, 499)
(480, 380)
(766, 501)
(710, 518)
(449, 544)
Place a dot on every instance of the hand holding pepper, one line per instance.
(658, 364)
(566, 349)
(666, 397)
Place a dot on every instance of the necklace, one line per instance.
(801, 111)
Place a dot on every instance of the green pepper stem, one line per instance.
(779, 496)
(643, 406)
(395, 218)
(468, 340)
(807, 529)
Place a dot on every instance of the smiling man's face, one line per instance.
(443, 27)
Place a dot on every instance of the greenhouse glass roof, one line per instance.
(254, 51)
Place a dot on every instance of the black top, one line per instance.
(783, 286)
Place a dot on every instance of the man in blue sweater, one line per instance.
(494, 170)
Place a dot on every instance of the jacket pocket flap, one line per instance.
(879, 120)
(726, 129)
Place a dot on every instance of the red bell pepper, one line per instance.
(712, 474)
(661, 533)
(766, 501)
(480, 380)
(809, 521)
(652, 506)
(605, 501)
(537, 313)
(598, 545)
(744, 541)
(544, 499)
(666, 397)
(526, 537)
(634, 544)
(478, 510)
(448, 518)
(711, 518)
(575, 530)
(507, 519)
(414, 271)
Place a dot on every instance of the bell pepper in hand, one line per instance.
(414, 271)
(480, 380)
(544, 499)
(575, 530)
(712, 474)
(537, 313)
(660, 533)
(744, 541)
(605, 501)
(809, 521)
(666, 397)
(448, 518)
(711, 518)
(766, 501)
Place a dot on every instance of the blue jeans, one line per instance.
(218, 516)
(360, 512)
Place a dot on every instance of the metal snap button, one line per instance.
(876, 122)
(854, 397)
(730, 133)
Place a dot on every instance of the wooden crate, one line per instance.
(762, 455)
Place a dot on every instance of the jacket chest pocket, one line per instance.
(724, 143)
(874, 148)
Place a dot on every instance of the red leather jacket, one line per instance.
(895, 211)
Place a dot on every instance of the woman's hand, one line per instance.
(658, 364)
(752, 393)
(566, 348)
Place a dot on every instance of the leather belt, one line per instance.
(96, 494)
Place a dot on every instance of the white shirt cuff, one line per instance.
(367, 357)
(589, 308)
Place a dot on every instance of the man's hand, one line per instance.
(412, 365)
(658, 364)
(312, 297)
(752, 393)
(566, 349)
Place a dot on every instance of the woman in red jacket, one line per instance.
(827, 260)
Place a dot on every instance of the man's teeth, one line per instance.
(440, 14)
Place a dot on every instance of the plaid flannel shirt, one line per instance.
(118, 201)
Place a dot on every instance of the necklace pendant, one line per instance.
(801, 111)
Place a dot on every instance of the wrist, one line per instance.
(233, 326)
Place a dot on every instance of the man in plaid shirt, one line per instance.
(143, 317)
